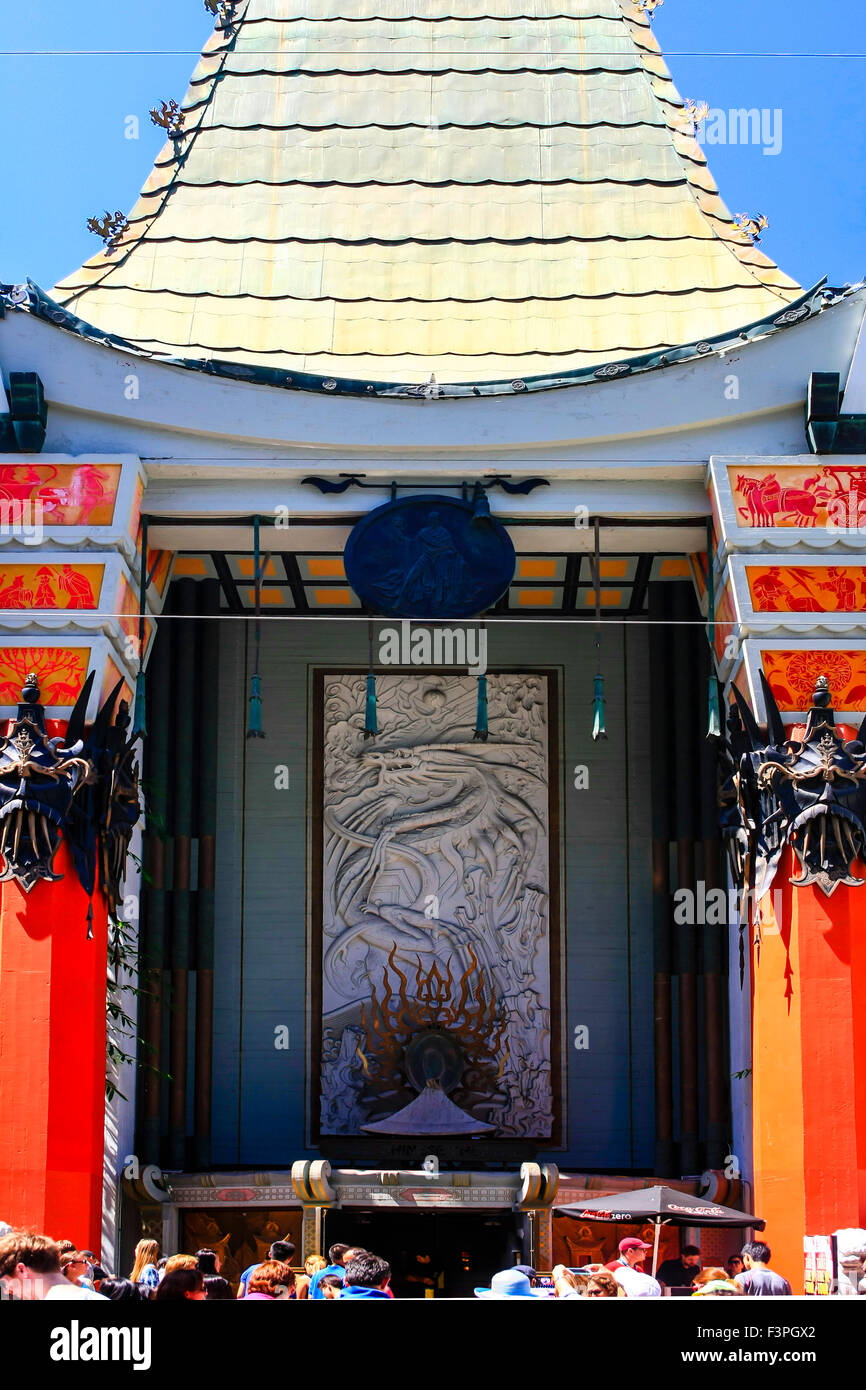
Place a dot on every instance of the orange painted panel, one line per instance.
(128, 614)
(61, 671)
(159, 561)
(82, 494)
(698, 568)
(332, 598)
(675, 567)
(135, 515)
(109, 681)
(189, 567)
(610, 598)
(741, 681)
(536, 598)
(806, 495)
(271, 598)
(807, 589)
(326, 567)
(792, 676)
(825, 927)
(726, 620)
(50, 586)
(247, 567)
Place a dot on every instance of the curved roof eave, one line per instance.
(30, 298)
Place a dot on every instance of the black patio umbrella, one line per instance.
(663, 1206)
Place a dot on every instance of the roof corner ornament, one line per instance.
(111, 227)
(223, 12)
(806, 790)
(169, 115)
(694, 114)
(752, 226)
(649, 7)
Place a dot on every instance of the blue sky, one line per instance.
(63, 118)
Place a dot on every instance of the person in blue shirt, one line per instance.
(367, 1276)
(282, 1250)
(335, 1265)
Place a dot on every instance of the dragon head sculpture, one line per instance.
(806, 792)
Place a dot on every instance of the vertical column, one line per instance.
(154, 923)
(802, 655)
(660, 659)
(207, 762)
(52, 1044)
(183, 802)
(809, 1100)
(68, 616)
(682, 712)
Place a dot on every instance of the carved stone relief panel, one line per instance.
(435, 960)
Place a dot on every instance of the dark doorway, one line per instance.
(463, 1249)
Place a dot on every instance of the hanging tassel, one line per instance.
(254, 727)
(371, 726)
(598, 729)
(714, 719)
(714, 716)
(139, 726)
(371, 723)
(90, 920)
(481, 730)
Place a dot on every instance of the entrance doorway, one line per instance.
(458, 1251)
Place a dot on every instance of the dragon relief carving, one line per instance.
(82, 785)
(436, 869)
(781, 789)
(39, 778)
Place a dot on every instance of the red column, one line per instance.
(809, 1069)
(52, 1057)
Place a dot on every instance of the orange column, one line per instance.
(809, 1069)
(52, 1057)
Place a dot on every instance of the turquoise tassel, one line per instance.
(481, 711)
(598, 729)
(371, 726)
(714, 721)
(254, 728)
(139, 725)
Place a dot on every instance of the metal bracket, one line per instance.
(502, 480)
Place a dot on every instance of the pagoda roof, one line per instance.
(477, 193)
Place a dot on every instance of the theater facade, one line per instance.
(447, 522)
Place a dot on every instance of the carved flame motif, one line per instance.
(462, 1013)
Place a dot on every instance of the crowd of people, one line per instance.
(34, 1266)
(745, 1275)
